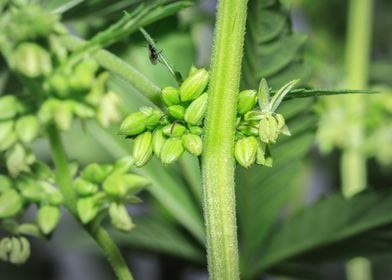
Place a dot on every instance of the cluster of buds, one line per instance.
(16, 196)
(108, 187)
(258, 128)
(179, 129)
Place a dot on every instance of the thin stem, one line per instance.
(177, 76)
(118, 67)
(218, 161)
(353, 161)
(64, 181)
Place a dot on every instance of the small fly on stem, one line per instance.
(156, 56)
(153, 54)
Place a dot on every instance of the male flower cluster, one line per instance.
(169, 134)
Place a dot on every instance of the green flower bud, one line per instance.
(142, 149)
(172, 150)
(171, 96)
(96, 173)
(263, 156)
(64, 115)
(85, 188)
(32, 60)
(158, 140)
(81, 110)
(120, 185)
(88, 208)
(58, 85)
(134, 124)
(7, 135)
(268, 129)
(10, 106)
(245, 151)
(153, 121)
(193, 144)
(55, 198)
(247, 99)
(48, 110)
(176, 111)
(33, 193)
(41, 171)
(194, 114)
(19, 159)
(196, 130)
(83, 75)
(194, 85)
(248, 130)
(48, 217)
(5, 183)
(29, 229)
(174, 130)
(119, 217)
(27, 128)
(10, 204)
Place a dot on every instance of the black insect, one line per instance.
(153, 54)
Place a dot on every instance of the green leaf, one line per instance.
(331, 222)
(272, 50)
(159, 236)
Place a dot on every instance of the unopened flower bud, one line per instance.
(85, 188)
(246, 101)
(193, 144)
(174, 130)
(153, 121)
(10, 204)
(27, 128)
(119, 217)
(171, 96)
(59, 85)
(96, 173)
(134, 124)
(142, 149)
(268, 129)
(196, 130)
(158, 140)
(172, 150)
(194, 114)
(7, 135)
(176, 111)
(194, 85)
(48, 217)
(245, 151)
(32, 60)
(10, 106)
(253, 116)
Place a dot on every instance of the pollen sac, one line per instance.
(269, 129)
(194, 85)
(171, 96)
(172, 150)
(134, 124)
(194, 114)
(247, 99)
(245, 151)
(142, 149)
(193, 144)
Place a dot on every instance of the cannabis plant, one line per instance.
(237, 127)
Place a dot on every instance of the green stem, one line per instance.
(64, 181)
(118, 67)
(353, 161)
(218, 163)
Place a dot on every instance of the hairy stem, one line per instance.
(218, 160)
(64, 181)
(353, 162)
